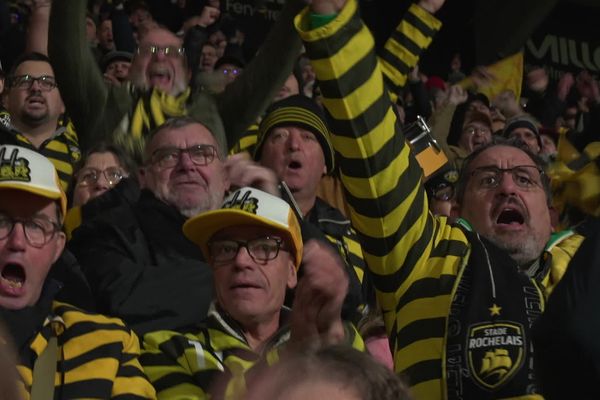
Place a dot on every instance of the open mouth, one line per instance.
(510, 216)
(295, 165)
(35, 100)
(159, 76)
(13, 276)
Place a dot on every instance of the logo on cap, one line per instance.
(245, 203)
(14, 168)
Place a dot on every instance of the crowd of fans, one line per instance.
(183, 217)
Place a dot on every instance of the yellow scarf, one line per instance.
(151, 111)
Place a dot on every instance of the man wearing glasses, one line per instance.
(35, 107)
(459, 299)
(62, 350)
(140, 266)
(161, 70)
(254, 247)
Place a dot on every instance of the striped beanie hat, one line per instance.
(300, 111)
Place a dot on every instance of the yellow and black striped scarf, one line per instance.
(152, 110)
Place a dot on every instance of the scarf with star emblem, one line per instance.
(488, 344)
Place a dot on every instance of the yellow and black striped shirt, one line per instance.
(414, 258)
(403, 48)
(98, 357)
(216, 356)
(62, 149)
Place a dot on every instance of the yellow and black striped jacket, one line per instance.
(62, 149)
(400, 54)
(403, 48)
(98, 357)
(212, 359)
(415, 259)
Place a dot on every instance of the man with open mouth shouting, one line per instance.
(62, 349)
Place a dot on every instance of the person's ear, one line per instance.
(61, 240)
(292, 280)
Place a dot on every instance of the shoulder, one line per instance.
(89, 326)
(72, 315)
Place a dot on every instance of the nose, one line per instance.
(102, 183)
(294, 141)
(35, 86)
(160, 54)
(507, 184)
(185, 161)
(17, 241)
(243, 258)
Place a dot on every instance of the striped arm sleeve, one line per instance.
(178, 366)
(402, 50)
(382, 180)
(131, 382)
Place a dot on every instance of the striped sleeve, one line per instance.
(402, 50)
(100, 355)
(382, 179)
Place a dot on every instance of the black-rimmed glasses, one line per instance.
(25, 82)
(260, 249)
(168, 157)
(38, 230)
(525, 176)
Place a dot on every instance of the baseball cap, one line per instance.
(247, 206)
(29, 171)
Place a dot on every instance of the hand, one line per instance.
(111, 80)
(506, 102)
(316, 312)
(242, 171)
(326, 6)
(207, 17)
(431, 6)
(564, 85)
(38, 5)
(457, 95)
(587, 86)
(482, 77)
(413, 75)
(537, 80)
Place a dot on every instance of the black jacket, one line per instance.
(142, 269)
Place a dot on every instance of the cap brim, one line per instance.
(51, 195)
(201, 228)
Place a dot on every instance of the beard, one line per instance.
(191, 206)
(523, 250)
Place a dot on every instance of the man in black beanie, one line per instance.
(524, 128)
(293, 140)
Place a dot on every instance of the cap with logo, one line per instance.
(29, 171)
(247, 206)
(301, 111)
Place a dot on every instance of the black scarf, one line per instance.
(488, 348)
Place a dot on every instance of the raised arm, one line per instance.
(247, 97)
(412, 36)
(37, 28)
(79, 79)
